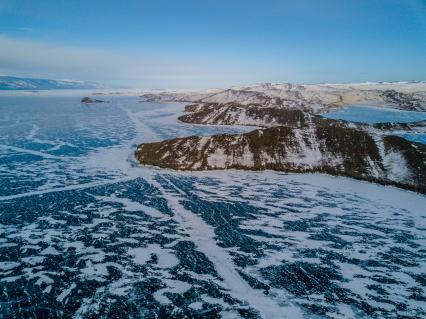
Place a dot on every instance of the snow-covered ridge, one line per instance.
(16, 83)
(315, 97)
(333, 148)
(238, 114)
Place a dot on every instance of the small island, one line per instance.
(88, 100)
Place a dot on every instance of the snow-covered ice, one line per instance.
(86, 232)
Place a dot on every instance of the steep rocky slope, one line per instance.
(237, 114)
(326, 147)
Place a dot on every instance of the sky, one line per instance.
(203, 43)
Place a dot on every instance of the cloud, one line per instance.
(26, 29)
(23, 57)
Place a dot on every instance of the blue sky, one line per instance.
(190, 43)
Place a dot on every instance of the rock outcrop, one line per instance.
(252, 114)
(406, 101)
(88, 100)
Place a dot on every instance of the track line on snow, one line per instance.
(203, 236)
(32, 152)
(66, 188)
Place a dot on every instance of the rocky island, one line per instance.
(88, 100)
(291, 136)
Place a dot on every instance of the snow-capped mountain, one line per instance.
(16, 83)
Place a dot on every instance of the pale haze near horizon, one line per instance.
(192, 44)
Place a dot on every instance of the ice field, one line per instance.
(85, 232)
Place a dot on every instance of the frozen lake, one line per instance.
(85, 232)
(372, 115)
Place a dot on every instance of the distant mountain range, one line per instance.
(16, 83)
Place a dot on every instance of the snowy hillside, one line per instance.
(328, 146)
(315, 97)
(15, 83)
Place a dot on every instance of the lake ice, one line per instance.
(371, 115)
(85, 232)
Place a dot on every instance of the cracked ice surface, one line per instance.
(86, 233)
